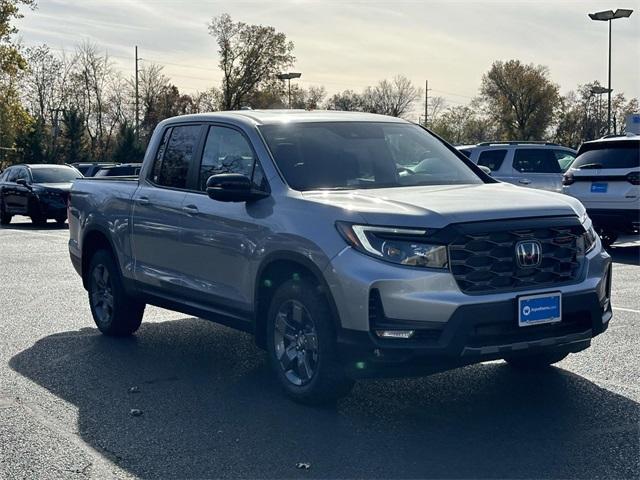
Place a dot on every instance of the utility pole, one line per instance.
(137, 122)
(426, 103)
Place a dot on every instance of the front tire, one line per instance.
(301, 342)
(536, 361)
(114, 312)
(608, 237)
(5, 218)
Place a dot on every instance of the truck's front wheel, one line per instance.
(114, 312)
(302, 345)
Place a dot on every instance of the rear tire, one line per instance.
(114, 312)
(536, 361)
(38, 220)
(608, 237)
(301, 343)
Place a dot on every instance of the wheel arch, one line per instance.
(274, 270)
(94, 239)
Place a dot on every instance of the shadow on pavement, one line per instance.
(625, 254)
(210, 409)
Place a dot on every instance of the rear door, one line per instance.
(158, 213)
(537, 168)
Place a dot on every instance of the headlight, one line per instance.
(589, 237)
(402, 246)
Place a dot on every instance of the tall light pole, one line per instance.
(137, 119)
(289, 76)
(607, 16)
(598, 90)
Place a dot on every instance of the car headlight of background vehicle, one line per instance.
(402, 246)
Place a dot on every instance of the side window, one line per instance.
(492, 159)
(6, 174)
(175, 155)
(565, 158)
(22, 174)
(228, 151)
(535, 160)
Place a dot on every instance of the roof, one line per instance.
(36, 166)
(618, 138)
(267, 117)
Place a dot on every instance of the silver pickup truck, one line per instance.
(314, 232)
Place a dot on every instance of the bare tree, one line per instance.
(249, 56)
(391, 97)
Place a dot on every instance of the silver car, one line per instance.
(526, 164)
(314, 232)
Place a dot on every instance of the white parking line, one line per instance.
(626, 309)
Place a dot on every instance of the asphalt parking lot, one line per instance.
(210, 408)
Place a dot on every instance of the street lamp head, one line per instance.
(602, 16)
(597, 90)
(288, 76)
(607, 15)
(622, 13)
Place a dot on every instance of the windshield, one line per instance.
(351, 155)
(618, 154)
(55, 175)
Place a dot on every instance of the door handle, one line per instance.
(524, 181)
(191, 209)
(143, 200)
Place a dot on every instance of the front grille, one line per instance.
(485, 261)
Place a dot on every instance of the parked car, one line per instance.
(606, 179)
(527, 164)
(120, 170)
(306, 230)
(37, 191)
(89, 169)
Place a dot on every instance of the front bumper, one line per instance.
(452, 328)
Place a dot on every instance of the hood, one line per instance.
(438, 206)
(63, 187)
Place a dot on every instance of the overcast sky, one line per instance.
(352, 44)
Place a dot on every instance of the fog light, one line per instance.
(395, 333)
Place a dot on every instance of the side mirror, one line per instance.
(23, 182)
(233, 187)
(486, 170)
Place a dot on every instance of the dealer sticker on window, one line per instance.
(538, 309)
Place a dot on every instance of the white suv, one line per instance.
(527, 164)
(605, 178)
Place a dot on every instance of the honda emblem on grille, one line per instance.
(528, 253)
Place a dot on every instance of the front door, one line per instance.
(221, 238)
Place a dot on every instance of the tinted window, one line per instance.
(10, 174)
(175, 156)
(23, 174)
(492, 159)
(618, 154)
(127, 170)
(226, 151)
(84, 169)
(465, 152)
(55, 175)
(535, 160)
(351, 155)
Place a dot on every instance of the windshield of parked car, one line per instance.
(352, 155)
(620, 154)
(54, 175)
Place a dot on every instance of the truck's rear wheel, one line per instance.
(114, 312)
(536, 361)
(302, 345)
